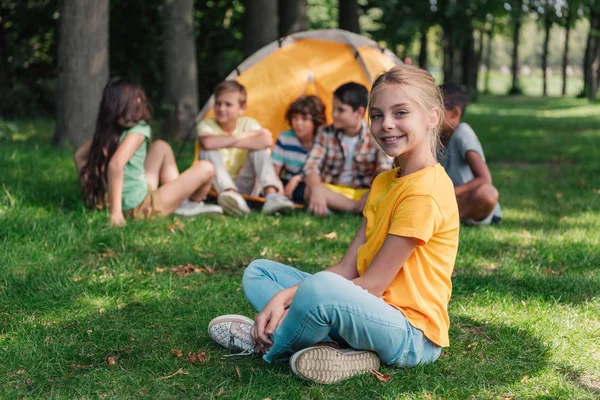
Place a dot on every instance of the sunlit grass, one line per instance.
(525, 310)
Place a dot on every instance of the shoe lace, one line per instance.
(246, 352)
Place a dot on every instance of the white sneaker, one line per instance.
(275, 203)
(325, 364)
(232, 332)
(189, 208)
(233, 203)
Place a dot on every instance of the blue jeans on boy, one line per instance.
(329, 307)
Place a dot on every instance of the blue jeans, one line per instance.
(330, 307)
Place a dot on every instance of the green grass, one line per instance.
(525, 310)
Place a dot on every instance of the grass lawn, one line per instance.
(87, 311)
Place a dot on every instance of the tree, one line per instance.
(82, 68)
(547, 10)
(516, 15)
(292, 16)
(348, 15)
(260, 24)
(180, 70)
(593, 62)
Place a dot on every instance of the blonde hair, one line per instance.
(426, 94)
(231, 86)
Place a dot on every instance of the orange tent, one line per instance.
(311, 62)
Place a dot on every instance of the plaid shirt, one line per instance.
(328, 154)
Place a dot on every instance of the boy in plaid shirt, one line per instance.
(344, 159)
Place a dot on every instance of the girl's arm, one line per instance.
(116, 168)
(81, 155)
(347, 267)
(387, 263)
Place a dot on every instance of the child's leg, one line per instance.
(264, 278)
(222, 180)
(160, 165)
(327, 300)
(479, 203)
(194, 183)
(262, 168)
(336, 201)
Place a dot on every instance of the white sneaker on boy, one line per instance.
(275, 202)
(232, 332)
(189, 208)
(324, 364)
(233, 203)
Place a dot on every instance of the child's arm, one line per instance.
(312, 175)
(387, 263)
(252, 140)
(81, 155)
(116, 168)
(347, 266)
(480, 171)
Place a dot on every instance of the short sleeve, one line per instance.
(251, 125)
(416, 217)
(277, 153)
(468, 141)
(141, 128)
(204, 127)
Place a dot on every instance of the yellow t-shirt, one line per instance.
(233, 158)
(421, 205)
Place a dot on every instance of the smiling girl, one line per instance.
(386, 301)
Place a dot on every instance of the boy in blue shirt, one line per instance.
(464, 162)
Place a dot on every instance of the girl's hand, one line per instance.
(117, 220)
(266, 322)
(292, 185)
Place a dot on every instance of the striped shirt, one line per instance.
(289, 154)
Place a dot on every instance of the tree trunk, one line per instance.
(547, 26)
(348, 15)
(180, 102)
(423, 49)
(515, 57)
(488, 59)
(292, 16)
(565, 59)
(5, 74)
(468, 59)
(260, 26)
(593, 62)
(82, 68)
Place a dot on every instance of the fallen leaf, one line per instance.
(559, 195)
(597, 191)
(197, 358)
(101, 310)
(221, 391)
(109, 253)
(175, 226)
(582, 183)
(383, 378)
(472, 346)
(179, 371)
(237, 370)
(524, 379)
(523, 303)
(161, 270)
(110, 361)
(307, 223)
(508, 396)
(526, 233)
(28, 383)
(177, 352)
(563, 219)
(89, 332)
(263, 252)
(549, 271)
(490, 268)
(206, 255)
(331, 235)
(77, 278)
(186, 269)
(209, 270)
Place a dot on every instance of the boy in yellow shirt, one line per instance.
(238, 148)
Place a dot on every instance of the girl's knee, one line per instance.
(206, 167)
(318, 287)
(254, 270)
(161, 145)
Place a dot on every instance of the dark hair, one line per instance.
(231, 86)
(123, 105)
(309, 105)
(454, 95)
(354, 94)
